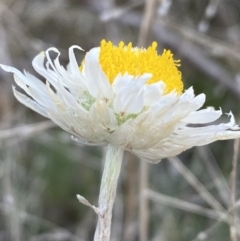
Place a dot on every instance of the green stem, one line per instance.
(107, 194)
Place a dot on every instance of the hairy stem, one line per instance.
(107, 194)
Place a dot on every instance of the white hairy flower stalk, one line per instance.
(111, 171)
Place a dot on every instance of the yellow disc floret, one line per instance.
(123, 59)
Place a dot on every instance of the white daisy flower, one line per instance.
(131, 98)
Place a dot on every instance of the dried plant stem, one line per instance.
(203, 192)
(149, 10)
(131, 197)
(233, 228)
(107, 194)
(143, 201)
(183, 205)
(215, 173)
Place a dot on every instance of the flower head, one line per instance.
(130, 97)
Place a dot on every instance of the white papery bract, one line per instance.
(126, 111)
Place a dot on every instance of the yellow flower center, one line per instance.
(123, 59)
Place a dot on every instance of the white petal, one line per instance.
(22, 80)
(232, 122)
(202, 116)
(162, 119)
(121, 82)
(97, 82)
(36, 83)
(165, 103)
(68, 78)
(78, 81)
(129, 93)
(122, 137)
(49, 60)
(30, 103)
(38, 65)
(186, 104)
(73, 65)
(41, 97)
(188, 94)
(153, 93)
(103, 116)
(83, 141)
(151, 157)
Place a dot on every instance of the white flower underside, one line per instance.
(129, 113)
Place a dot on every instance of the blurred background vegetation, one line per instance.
(42, 169)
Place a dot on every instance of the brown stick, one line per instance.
(143, 232)
(146, 21)
(233, 225)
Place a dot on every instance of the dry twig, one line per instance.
(233, 226)
(203, 192)
(144, 213)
